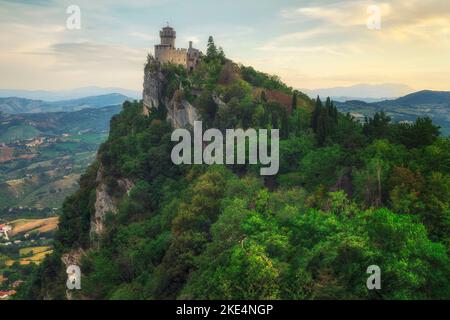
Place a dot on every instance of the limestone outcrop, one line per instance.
(104, 203)
(180, 112)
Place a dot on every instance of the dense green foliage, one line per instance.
(348, 195)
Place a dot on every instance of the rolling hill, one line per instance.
(30, 125)
(43, 154)
(363, 92)
(60, 95)
(14, 105)
(424, 97)
(433, 104)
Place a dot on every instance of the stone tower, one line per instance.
(168, 36)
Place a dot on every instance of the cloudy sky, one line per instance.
(309, 44)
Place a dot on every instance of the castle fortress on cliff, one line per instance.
(167, 52)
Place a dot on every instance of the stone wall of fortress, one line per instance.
(166, 54)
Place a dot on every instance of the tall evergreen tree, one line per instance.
(335, 113)
(211, 51)
(294, 101)
(326, 121)
(328, 103)
(323, 126)
(315, 116)
(378, 126)
(284, 130)
(221, 55)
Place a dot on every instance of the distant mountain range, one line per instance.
(363, 92)
(434, 104)
(68, 94)
(14, 105)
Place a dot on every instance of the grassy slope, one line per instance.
(20, 132)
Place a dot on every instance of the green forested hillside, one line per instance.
(348, 195)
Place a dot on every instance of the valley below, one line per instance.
(42, 156)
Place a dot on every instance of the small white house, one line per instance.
(4, 229)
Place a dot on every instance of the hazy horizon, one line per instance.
(359, 91)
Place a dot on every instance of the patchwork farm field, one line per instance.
(31, 255)
(27, 226)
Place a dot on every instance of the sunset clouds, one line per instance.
(309, 44)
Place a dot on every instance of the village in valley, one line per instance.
(4, 229)
(28, 220)
(23, 242)
(35, 176)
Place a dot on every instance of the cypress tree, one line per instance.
(323, 126)
(329, 108)
(326, 120)
(320, 132)
(294, 101)
(335, 113)
(211, 51)
(315, 116)
(284, 132)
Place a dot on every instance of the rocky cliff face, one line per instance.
(153, 87)
(104, 203)
(180, 112)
